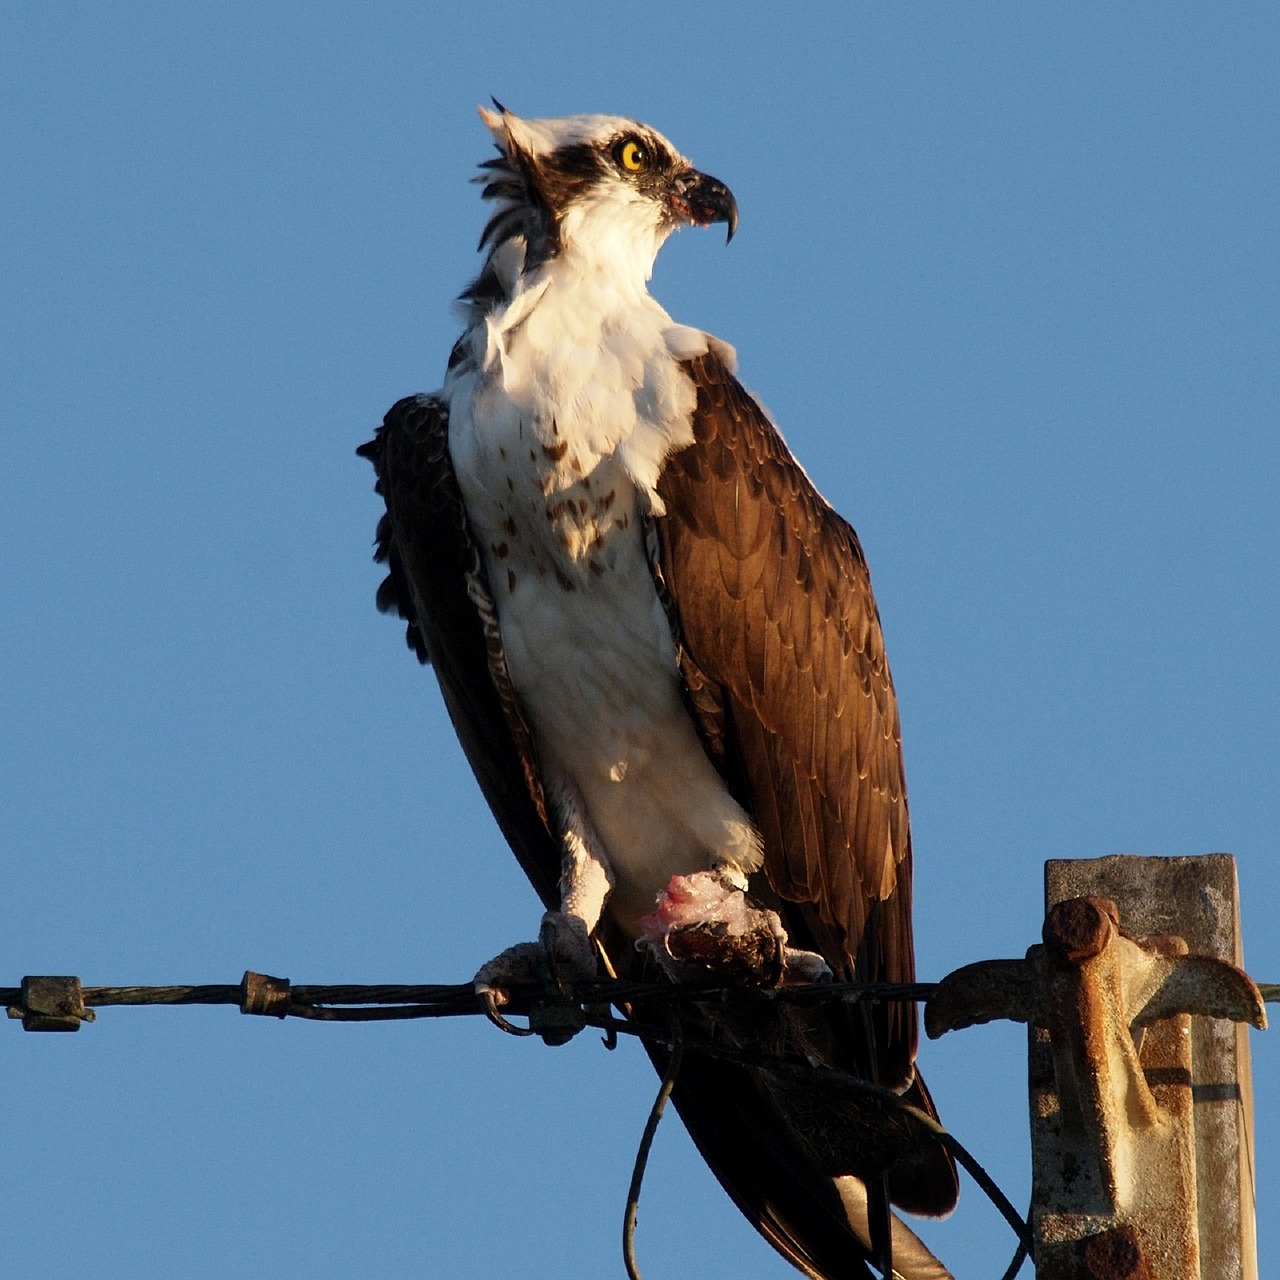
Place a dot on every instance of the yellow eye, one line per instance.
(632, 155)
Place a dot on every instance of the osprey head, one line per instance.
(601, 189)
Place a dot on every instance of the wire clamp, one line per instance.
(51, 1004)
(262, 994)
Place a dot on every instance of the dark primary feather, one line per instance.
(436, 582)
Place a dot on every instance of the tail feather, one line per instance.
(820, 1224)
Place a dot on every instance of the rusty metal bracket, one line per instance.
(51, 1004)
(1113, 1133)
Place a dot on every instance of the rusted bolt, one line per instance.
(261, 993)
(1115, 1255)
(1079, 929)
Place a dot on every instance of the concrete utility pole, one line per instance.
(1198, 900)
(1141, 1099)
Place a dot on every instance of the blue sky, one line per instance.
(1007, 277)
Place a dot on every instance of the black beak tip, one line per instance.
(702, 200)
(723, 206)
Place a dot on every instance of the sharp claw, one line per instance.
(491, 999)
(550, 964)
(802, 967)
(547, 940)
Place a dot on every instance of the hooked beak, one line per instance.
(701, 199)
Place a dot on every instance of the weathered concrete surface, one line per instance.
(1196, 899)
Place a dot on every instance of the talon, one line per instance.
(567, 949)
(562, 954)
(491, 999)
(548, 936)
(803, 966)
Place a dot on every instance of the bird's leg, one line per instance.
(797, 965)
(564, 950)
(705, 925)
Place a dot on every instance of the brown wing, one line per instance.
(436, 582)
(783, 657)
(786, 666)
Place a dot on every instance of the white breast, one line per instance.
(558, 442)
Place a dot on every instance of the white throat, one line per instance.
(582, 356)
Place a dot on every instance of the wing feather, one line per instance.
(793, 638)
(788, 649)
(436, 582)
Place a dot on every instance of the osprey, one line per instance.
(659, 648)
